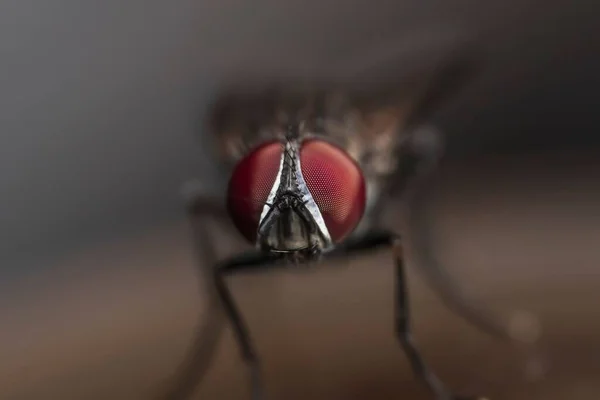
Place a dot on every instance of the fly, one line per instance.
(310, 167)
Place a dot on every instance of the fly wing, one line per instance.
(401, 153)
(397, 140)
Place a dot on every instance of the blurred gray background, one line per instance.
(100, 119)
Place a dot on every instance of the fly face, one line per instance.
(298, 196)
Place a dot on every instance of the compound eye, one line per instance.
(337, 185)
(249, 187)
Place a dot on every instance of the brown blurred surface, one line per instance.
(518, 234)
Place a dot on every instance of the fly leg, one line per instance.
(252, 260)
(402, 310)
(419, 160)
(199, 358)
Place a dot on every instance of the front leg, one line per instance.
(402, 310)
(251, 260)
(199, 209)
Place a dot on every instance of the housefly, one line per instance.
(312, 164)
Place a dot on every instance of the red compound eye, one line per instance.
(249, 187)
(336, 184)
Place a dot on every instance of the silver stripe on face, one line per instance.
(290, 179)
(307, 197)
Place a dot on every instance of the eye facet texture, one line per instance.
(336, 184)
(249, 187)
